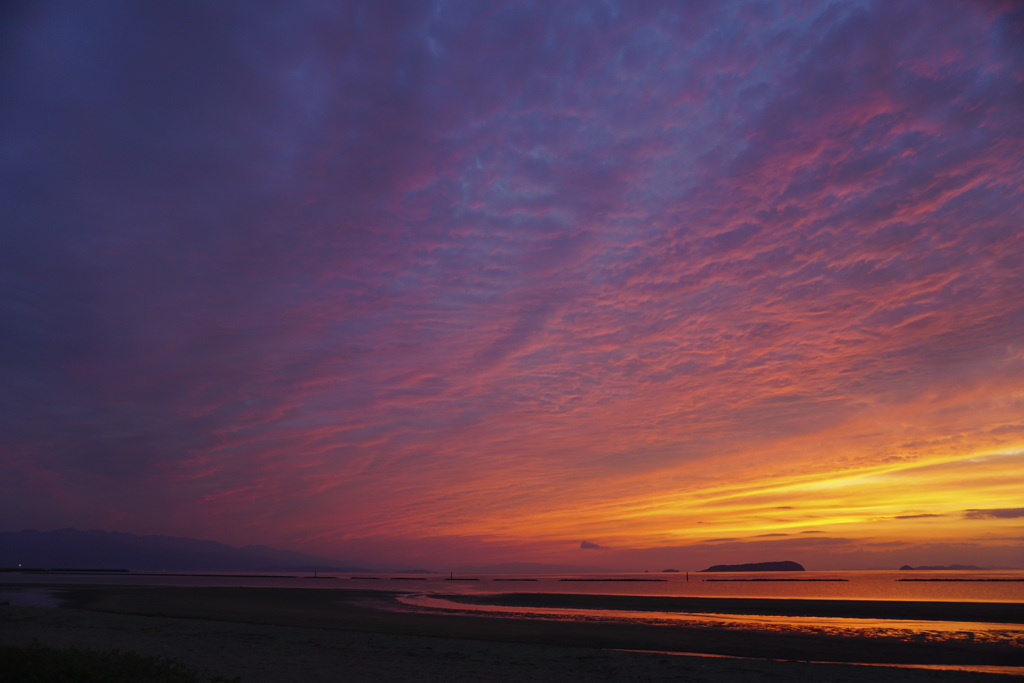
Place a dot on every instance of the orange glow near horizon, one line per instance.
(900, 504)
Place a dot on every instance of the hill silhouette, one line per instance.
(75, 549)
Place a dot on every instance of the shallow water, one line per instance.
(906, 630)
(902, 629)
(942, 586)
(975, 668)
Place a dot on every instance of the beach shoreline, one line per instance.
(370, 639)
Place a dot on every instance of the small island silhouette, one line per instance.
(785, 566)
(943, 568)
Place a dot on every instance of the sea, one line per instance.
(917, 585)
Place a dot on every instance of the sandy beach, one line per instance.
(272, 635)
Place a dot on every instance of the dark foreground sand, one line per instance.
(316, 635)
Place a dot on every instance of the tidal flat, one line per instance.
(282, 634)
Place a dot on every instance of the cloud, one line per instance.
(587, 545)
(921, 516)
(995, 513)
(451, 266)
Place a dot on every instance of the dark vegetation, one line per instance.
(39, 664)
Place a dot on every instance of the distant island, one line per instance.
(937, 568)
(756, 567)
(669, 571)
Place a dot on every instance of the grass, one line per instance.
(39, 664)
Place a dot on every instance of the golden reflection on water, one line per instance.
(975, 668)
(905, 630)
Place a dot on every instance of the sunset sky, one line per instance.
(626, 285)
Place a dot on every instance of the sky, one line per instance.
(625, 285)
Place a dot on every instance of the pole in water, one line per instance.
(687, 577)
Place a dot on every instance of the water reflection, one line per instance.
(974, 668)
(898, 629)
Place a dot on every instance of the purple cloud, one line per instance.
(995, 513)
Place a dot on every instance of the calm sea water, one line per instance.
(946, 586)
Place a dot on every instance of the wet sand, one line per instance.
(264, 634)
